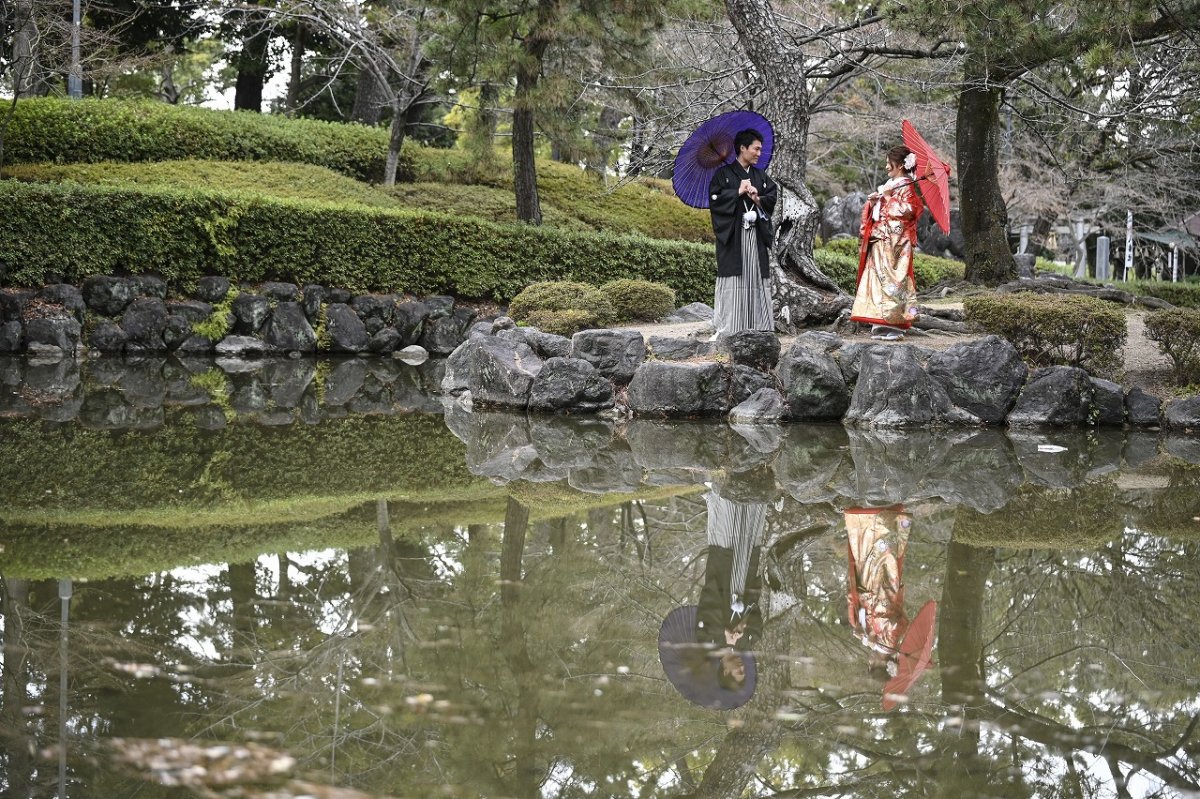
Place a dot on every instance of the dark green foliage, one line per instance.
(179, 468)
(76, 231)
(639, 300)
(838, 259)
(929, 270)
(563, 295)
(1178, 335)
(563, 323)
(843, 246)
(63, 131)
(1185, 295)
(841, 269)
(1053, 329)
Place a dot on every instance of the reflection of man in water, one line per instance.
(729, 616)
(878, 538)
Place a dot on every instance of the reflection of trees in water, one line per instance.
(492, 657)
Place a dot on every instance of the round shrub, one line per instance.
(1054, 329)
(929, 270)
(841, 269)
(639, 300)
(562, 323)
(843, 246)
(1178, 335)
(561, 295)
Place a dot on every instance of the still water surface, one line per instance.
(264, 581)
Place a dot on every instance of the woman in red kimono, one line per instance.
(876, 541)
(886, 294)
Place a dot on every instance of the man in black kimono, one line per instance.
(741, 201)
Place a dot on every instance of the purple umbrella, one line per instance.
(694, 667)
(710, 147)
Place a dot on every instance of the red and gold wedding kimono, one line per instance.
(886, 293)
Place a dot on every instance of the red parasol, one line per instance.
(916, 652)
(934, 171)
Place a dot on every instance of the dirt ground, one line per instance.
(1144, 365)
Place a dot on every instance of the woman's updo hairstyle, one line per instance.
(899, 155)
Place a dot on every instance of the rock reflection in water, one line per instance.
(407, 605)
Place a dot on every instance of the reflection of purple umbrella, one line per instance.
(710, 147)
(694, 668)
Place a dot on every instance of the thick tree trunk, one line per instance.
(251, 65)
(296, 75)
(369, 98)
(984, 215)
(400, 105)
(803, 294)
(529, 208)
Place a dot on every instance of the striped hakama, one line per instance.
(738, 527)
(743, 302)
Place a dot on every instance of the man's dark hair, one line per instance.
(745, 138)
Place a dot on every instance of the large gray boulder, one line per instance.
(441, 335)
(281, 292)
(313, 297)
(409, 318)
(288, 329)
(758, 349)
(107, 296)
(54, 327)
(1108, 402)
(249, 313)
(662, 388)
(841, 215)
(67, 296)
(1056, 396)
(212, 288)
(454, 377)
(12, 336)
(813, 386)
(893, 390)
(243, 347)
(667, 348)
(346, 331)
(500, 372)
(1142, 409)
(745, 382)
(616, 353)
(546, 345)
(570, 384)
(765, 406)
(1184, 414)
(694, 312)
(983, 377)
(376, 311)
(144, 321)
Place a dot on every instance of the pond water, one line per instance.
(286, 579)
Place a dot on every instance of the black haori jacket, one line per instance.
(727, 208)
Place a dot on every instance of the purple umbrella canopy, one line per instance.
(710, 147)
(694, 667)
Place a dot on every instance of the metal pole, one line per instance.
(64, 596)
(75, 75)
(1128, 243)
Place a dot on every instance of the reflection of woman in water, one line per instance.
(878, 539)
(729, 616)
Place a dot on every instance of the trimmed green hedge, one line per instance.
(180, 472)
(1054, 329)
(72, 131)
(639, 300)
(1185, 295)
(76, 231)
(838, 259)
(1178, 335)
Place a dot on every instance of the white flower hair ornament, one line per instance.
(910, 162)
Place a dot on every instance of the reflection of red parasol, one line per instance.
(710, 147)
(916, 652)
(934, 171)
